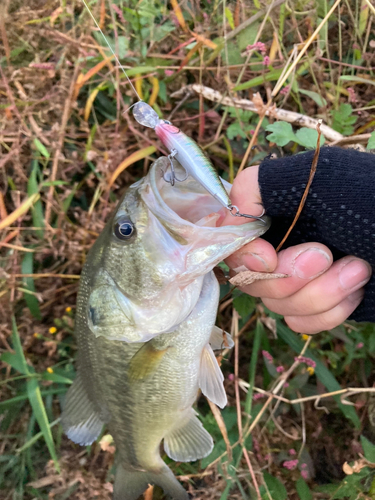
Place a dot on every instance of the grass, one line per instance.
(67, 154)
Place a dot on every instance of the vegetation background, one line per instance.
(68, 152)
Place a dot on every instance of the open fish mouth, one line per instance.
(190, 214)
(187, 200)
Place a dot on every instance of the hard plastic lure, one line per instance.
(188, 154)
(183, 148)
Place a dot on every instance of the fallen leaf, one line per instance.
(248, 277)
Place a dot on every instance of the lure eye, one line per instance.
(124, 229)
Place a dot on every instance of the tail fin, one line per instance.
(130, 484)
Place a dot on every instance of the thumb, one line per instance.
(245, 195)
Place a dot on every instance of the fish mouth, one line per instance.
(186, 201)
(190, 215)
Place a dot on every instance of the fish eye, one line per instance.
(124, 229)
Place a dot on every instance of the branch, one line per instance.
(280, 114)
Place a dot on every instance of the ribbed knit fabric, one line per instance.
(339, 210)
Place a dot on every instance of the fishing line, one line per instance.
(111, 49)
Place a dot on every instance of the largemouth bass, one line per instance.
(145, 320)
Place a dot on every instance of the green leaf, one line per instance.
(55, 377)
(275, 486)
(234, 130)
(308, 138)
(37, 208)
(282, 133)
(357, 79)
(320, 101)
(247, 36)
(303, 490)
(229, 16)
(244, 304)
(259, 332)
(368, 449)
(41, 148)
(31, 300)
(343, 119)
(271, 76)
(344, 111)
(371, 141)
(139, 70)
(15, 361)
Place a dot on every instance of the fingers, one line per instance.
(324, 292)
(328, 319)
(258, 255)
(302, 262)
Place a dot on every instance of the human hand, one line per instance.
(319, 294)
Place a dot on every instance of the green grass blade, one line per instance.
(31, 300)
(37, 208)
(35, 397)
(259, 331)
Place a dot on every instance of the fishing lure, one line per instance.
(182, 148)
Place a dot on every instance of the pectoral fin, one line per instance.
(211, 378)
(220, 339)
(80, 421)
(189, 441)
(145, 361)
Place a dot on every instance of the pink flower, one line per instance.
(303, 466)
(119, 12)
(168, 72)
(304, 474)
(290, 464)
(231, 377)
(280, 369)
(285, 90)
(266, 61)
(292, 451)
(260, 46)
(286, 385)
(307, 361)
(258, 396)
(359, 345)
(256, 445)
(268, 356)
(252, 131)
(352, 95)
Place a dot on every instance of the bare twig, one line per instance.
(306, 192)
(277, 113)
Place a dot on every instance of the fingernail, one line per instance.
(254, 262)
(354, 274)
(311, 263)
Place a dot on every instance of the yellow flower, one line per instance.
(49, 370)
(305, 337)
(68, 309)
(311, 370)
(53, 329)
(36, 335)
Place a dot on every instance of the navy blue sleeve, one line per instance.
(339, 210)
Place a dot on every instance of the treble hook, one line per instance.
(237, 213)
(173, 176)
